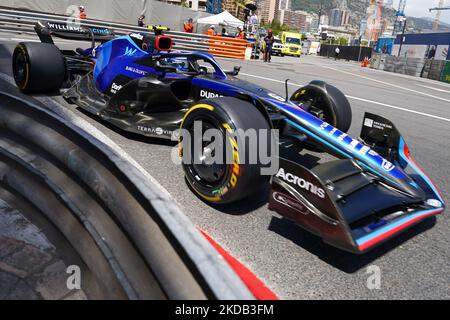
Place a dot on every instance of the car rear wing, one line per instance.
(347, 204)
(46, 30)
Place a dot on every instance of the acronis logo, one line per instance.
(130, 51)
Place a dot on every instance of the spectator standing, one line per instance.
(211, 31)
(268, 42)
(189, 26)
(241, 33)
(337, 51)
(224, 32)
(141, 21)
(253, 22)
(83, 14)
(432, 53)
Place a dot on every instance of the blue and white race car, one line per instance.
(371, 191)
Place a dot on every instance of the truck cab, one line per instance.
(292, 42)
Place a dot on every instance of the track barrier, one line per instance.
(19, 21)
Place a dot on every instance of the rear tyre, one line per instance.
(38, 67)
(234, 179)
(325, 102)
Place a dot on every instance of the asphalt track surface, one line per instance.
(292, 262)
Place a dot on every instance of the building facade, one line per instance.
(298, 20)
(268, 10)
(339, 17)
(197, 5)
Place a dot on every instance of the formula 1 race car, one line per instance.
(369, 192)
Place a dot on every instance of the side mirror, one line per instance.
(235, 71)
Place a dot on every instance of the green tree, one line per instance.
(342, 41)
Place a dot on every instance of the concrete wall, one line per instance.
(124, 11)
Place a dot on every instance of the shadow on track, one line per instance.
(342, 260)
(241, 207)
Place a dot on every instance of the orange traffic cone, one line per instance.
(365, 63)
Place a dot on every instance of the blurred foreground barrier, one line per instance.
(131, 240)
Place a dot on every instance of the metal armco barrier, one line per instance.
(132, 240)
(13, 20)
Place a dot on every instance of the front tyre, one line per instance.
(38, 67)
(221, 170)
(325, 102)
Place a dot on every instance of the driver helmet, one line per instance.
(212, 27)
(81, 8)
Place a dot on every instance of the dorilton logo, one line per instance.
(65, 27)
(115, 87)
(302, 183)
(208, 95)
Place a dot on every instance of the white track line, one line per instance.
(387, 83)
(400, 108)
(432, 88)
(359, 99)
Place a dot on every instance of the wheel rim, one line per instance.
(316, 101)
(20, 70)
(206, 174)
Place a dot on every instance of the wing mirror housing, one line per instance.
(234, 72)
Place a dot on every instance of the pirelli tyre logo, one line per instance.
(300, 182)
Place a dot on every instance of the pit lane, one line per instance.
(293, 263)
